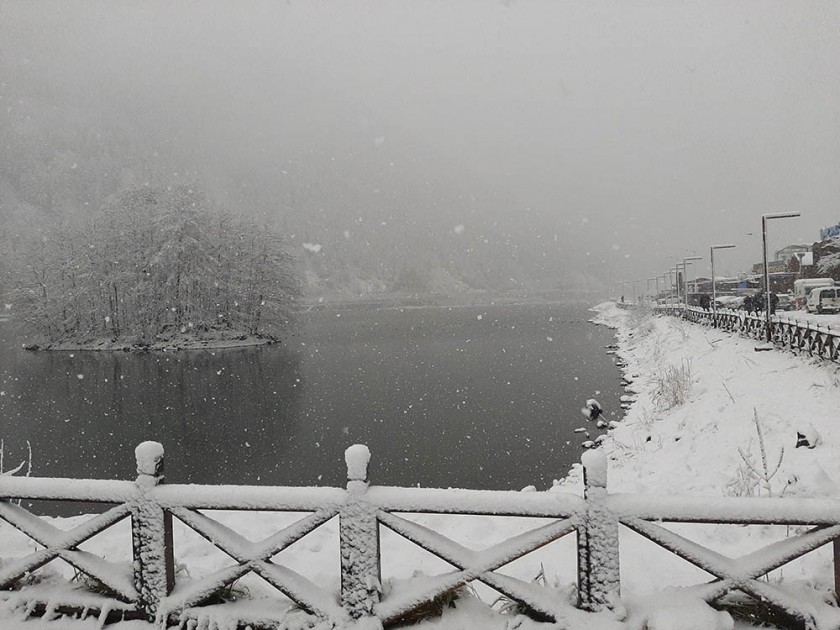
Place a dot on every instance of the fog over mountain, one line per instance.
(437, 145)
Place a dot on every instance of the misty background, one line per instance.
(436, 145)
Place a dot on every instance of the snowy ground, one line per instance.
(689, 449)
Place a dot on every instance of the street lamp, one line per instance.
(678, 280)
(764, 219)
(675, 287)
(714, 292)
(685, 278)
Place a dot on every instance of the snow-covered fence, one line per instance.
(786, 333)
(144, 588)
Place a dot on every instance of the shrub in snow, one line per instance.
(565, 594)
(673, 385)
(751, 477)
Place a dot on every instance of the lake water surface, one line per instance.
(481, 397)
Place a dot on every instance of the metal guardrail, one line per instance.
(787, 334)
(144, 588)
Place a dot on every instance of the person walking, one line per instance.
(748, 304)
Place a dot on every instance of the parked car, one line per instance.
(802, 287)
(823, 300)
(786, 302)
(729, 301)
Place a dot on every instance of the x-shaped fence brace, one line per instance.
(742, 573)
(62, 544)
(255, 557)
(474, 565)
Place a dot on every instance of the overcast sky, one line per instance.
(642, 132)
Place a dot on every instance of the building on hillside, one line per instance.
(802, 264)
(823, 250)
(786, 253)
(773, 266)
(830, 232)
(827, 246)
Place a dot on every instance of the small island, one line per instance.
(155, 268)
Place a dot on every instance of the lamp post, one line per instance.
(764, 219)
(674, 288)
(685, 278)
(678, 280)
(714, 291)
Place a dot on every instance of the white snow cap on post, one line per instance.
(149, 456)
(595, 468)
(357, 458)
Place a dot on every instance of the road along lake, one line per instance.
(484, 397)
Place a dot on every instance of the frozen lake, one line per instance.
(480, 397)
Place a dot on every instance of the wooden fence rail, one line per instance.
(144, 588)
(799, 337)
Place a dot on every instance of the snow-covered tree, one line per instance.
(827, 256)
(153, 261)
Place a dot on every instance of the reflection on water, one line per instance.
(220, 418)
(481, 397)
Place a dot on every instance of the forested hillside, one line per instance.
(364, 216)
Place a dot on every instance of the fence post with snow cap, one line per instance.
(597, 539)
(359, 539)
(151, 534)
